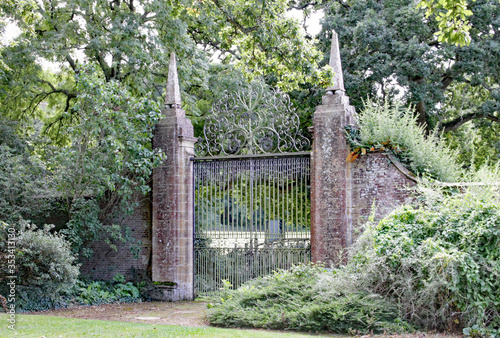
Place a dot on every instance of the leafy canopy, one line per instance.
(108, 158)
(98, 109)
(130, 42)
(389, 49)
(452, 19)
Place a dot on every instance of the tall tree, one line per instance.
(130, 40)
(389, 49)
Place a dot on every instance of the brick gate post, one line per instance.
(331, 224)
(172, 229)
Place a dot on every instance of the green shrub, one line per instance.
(440, 262)
(300, 300)
(89, 292)
(45, 266)
(393, 127)
(434, 266)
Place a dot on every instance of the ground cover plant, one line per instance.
(431, 266)
(298, 300)
(82, 292)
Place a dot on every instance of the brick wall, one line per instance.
(105, 262)
(376, 180)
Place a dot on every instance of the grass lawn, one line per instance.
(50, 326)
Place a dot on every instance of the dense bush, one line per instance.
(395, 128)
(45, 266)
(300, 300)
(47, 275)
(23, 178)
(435, 266)
(440, 262)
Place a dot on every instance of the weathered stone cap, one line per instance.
(335, 63)
(173, 97)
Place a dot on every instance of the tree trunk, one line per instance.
(422, 119)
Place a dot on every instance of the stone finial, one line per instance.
(173, 97)
(338, 78)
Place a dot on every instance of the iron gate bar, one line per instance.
(250, 216)
(237, 157)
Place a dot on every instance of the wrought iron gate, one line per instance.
(252, 212)
(252, 216)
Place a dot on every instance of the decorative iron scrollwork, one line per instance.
(254, 120)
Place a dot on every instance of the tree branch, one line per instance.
(233, 21)
(446, 81)
(71, 63)
(304, 6)
(104, 66)
(459, 121)
(210, 42)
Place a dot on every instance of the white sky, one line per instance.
(11, 32)
(313, 26)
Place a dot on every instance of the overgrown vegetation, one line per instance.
(42, 262)
(435, 265)
(298, 299)
(393, 127)
(439, 260)
(47, 272)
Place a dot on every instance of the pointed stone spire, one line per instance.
(173, 97)
(338, 78)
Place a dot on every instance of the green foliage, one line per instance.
(477, 142)
(110, 141)
(83, 292)
(107, 158)
(45, 266)
(393, 127)
(439, 262)
(25, 13)
(47, 274)
(131, 42)
(101, 292)
(103, 162)
(480, 331)
(389, 49)
(259, 39)
(434, 267)
(299, 300)
(451, 16)
(23, 178)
